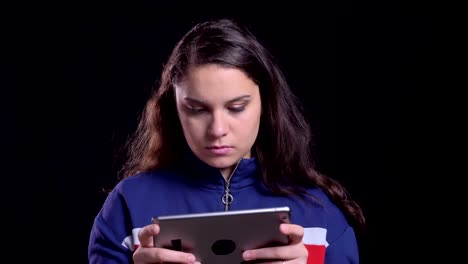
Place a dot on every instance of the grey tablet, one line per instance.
(221, 237)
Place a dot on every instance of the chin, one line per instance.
(221, 162)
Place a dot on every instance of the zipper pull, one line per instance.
(227, 197)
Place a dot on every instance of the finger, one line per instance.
(273, 262)
(146, 235)
(269, 262)
(285, 253)
(155, 255)
(294, 232)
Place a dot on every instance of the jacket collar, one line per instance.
(200, 173)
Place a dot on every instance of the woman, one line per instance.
(224, 132)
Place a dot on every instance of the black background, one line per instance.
(75, 77)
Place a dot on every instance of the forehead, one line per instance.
(206, 81)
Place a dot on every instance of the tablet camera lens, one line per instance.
(223, 247)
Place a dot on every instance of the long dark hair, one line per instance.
(283, 146)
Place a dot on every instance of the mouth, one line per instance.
(219, 150)
(218, 147)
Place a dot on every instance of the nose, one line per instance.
(218, 126)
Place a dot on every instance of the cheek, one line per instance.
(249, 126)
(184, 121)
(192, 128)
(256, 116)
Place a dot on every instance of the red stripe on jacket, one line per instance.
(316, 254)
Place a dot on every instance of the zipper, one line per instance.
(227, 197)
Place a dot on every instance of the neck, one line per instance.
(228, 172)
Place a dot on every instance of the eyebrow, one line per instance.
(192, 100)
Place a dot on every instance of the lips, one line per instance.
(219, 150)
(218, 147)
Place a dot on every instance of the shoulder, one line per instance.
(334, 218)
(329, 207)
(147, 181)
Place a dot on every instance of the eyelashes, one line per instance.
(236, 109)
(200, 110)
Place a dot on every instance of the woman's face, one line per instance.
(219, 109)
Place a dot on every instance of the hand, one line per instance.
(293, 253)
(147, 253)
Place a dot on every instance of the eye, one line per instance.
(195, 110)
(236, 109)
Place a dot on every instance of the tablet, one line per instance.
(221, 237)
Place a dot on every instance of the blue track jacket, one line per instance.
(197, 188)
